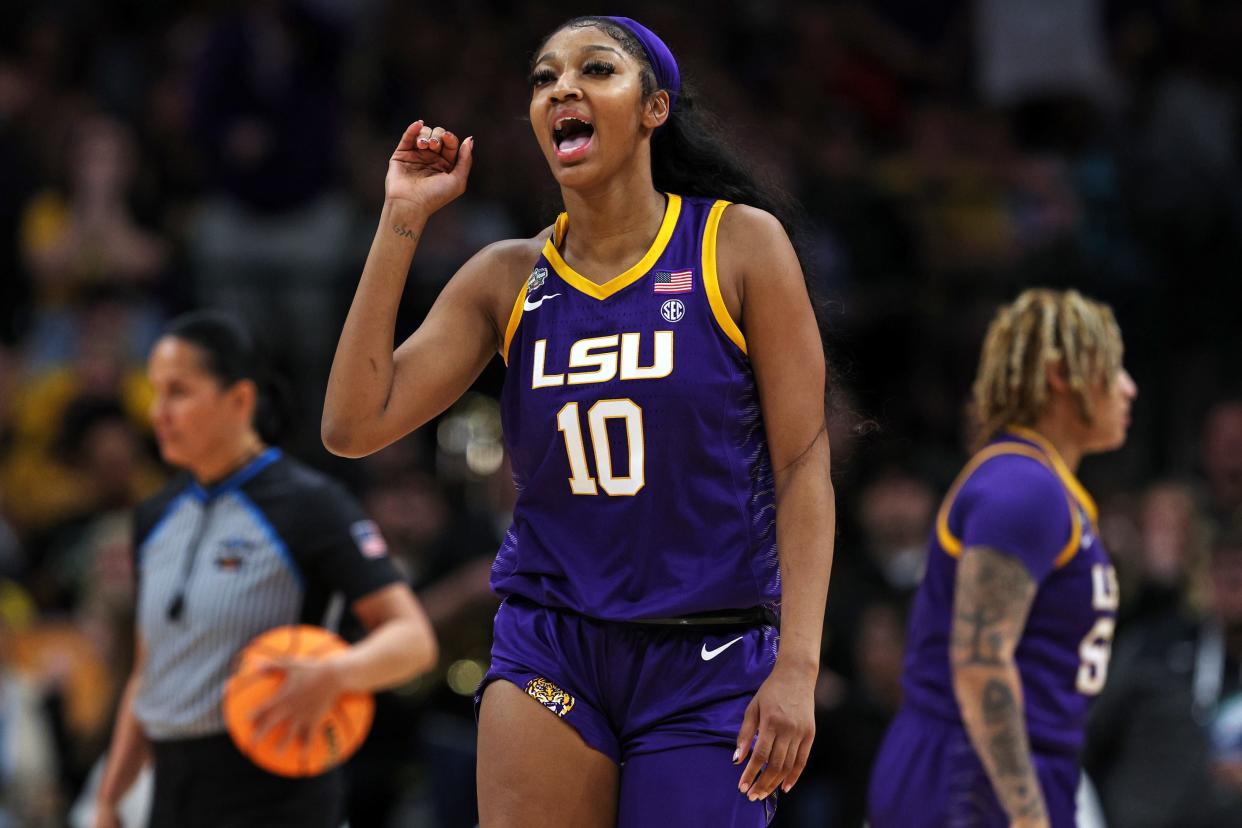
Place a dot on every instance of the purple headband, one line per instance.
(667, 75)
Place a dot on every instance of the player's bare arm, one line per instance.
(993, 594)
(375, 395)
(761, 274)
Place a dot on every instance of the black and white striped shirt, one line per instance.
(270, 545)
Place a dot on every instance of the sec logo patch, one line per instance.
(673, 310)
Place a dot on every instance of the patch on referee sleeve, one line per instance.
(550, 696)
(370, 542)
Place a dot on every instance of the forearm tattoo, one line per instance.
(993, 595)
(404, 232)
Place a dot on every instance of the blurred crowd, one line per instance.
(156, 157)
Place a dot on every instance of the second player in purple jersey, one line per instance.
(1017, 495)
(1012, 626)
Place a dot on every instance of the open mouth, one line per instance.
(571, 136)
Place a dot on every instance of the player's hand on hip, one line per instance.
(309, 690)
(429, 168)
(780, 719)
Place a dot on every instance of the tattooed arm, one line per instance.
(992, 597)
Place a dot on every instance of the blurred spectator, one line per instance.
(1221, 457)
(87, 238)
(895, 516)
(11, 555)
(29, 793)
(852, 717)
(270, 241)
(859, 687)
(1172, 542)
(17, 182)
(105, 454)
(1165, 743)
(953, 196)
(419, 764)
(1041, 47)
(45, 477)
(1191, 124)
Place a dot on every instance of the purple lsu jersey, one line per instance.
(1018, 497)
(632, 420)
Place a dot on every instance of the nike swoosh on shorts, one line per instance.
(708, 655)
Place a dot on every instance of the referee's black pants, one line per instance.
(207, 783)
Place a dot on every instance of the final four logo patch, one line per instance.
(537, 277)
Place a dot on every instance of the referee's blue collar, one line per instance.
(237, 479)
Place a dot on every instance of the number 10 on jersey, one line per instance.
(569, 423)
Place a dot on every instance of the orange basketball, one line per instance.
(333, 740)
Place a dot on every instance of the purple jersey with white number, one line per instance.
(632, 419)
(1018, 497)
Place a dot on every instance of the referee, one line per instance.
(243, 540)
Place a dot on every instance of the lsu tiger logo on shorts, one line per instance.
(550, 696)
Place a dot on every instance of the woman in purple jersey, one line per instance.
(1011, 630)
(687, 718)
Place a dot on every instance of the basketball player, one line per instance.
(1012, 626)
(664, 392)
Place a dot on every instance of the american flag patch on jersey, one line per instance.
(370, 542)
(677, 281)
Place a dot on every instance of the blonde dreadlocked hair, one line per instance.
(1041, 327)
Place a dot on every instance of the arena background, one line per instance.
(156, 157)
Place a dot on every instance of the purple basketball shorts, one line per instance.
(664, 703)
(928, 776)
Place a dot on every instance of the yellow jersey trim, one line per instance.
(711, 282)
(630, 276)
(1075, 541)
(515, 316)
(1059, 466)
(953, 545)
